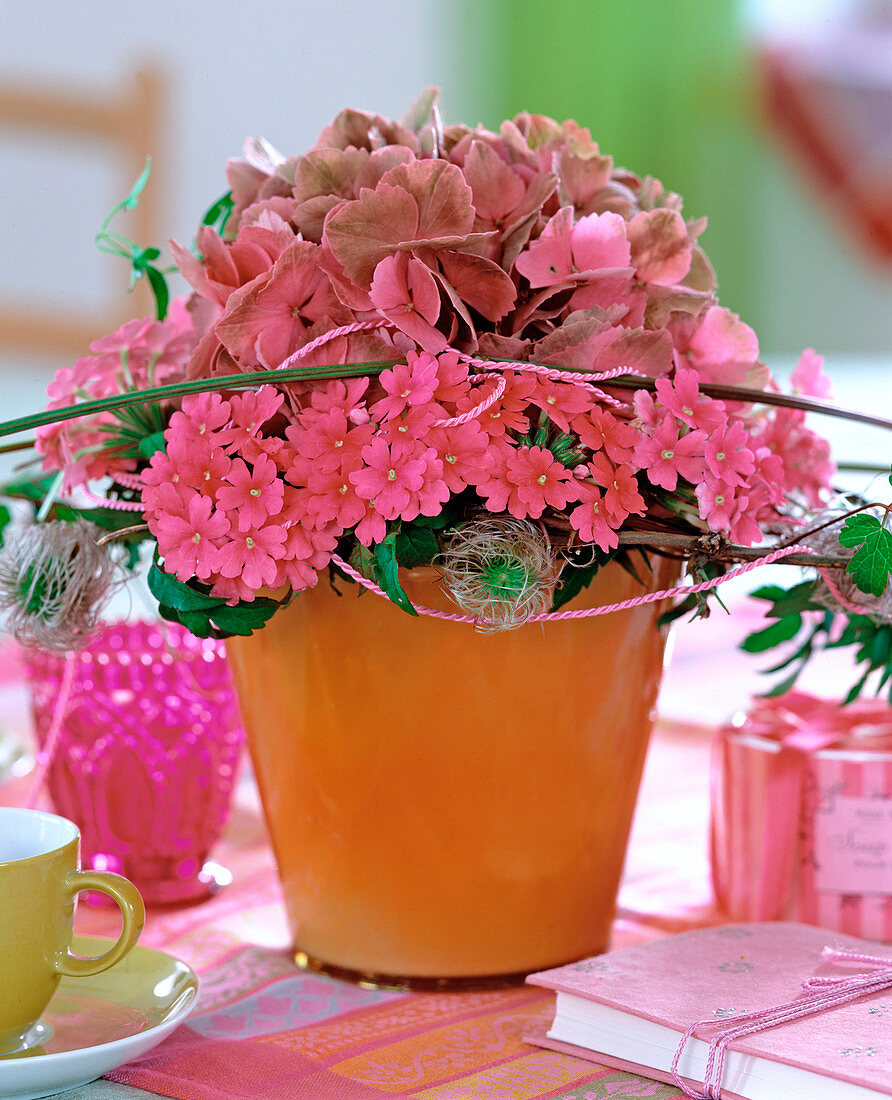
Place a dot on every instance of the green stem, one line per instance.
(200, 385)
(356, 370)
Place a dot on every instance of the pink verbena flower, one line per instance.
(666, 455)
(189, 539)
(330, 439)
(390, 477)
(251, 496)
(601, 430)
(681, 395)
(728, 454)
(621, 496)
(808, 376)
(307, 550)
(250, 556)
(562, 401)
(464, 451)
(509, 412)
(197, 462)
(344, 394)
(717, 502)
(407, 385)
(591, 520)
(415, 423)
(541, 482)
(332, 497)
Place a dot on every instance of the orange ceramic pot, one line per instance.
(448, 806)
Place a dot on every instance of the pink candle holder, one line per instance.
(147, 753)
(801, 823)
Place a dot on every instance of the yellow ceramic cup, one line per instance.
(39, 881)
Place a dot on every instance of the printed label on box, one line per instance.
(853, 845)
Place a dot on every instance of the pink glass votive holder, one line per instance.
(801, 815)
(147, 754)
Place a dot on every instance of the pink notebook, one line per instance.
(629, 1008)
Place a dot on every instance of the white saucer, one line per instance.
(101, 1022)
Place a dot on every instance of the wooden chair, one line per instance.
(129, 123)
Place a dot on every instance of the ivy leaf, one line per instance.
(872, 563)
(416, 546)
(387, 573)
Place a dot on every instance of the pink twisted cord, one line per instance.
(590, 612)
(115, 505)
(333, 334)
(554, 373)
(129, 481)
(843, 601)
(478, 410)
(47, 753)
(821, 993)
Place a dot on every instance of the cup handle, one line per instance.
(133, 916)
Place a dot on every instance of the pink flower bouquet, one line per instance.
(412, 330)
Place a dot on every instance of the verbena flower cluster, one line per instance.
(479, 255)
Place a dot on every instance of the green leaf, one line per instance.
(881, 649)
(770, 592)
(780, 631)
(794, 601)
(448, 515)
(872, 563)
(158, 284)
(5, 520)
(218, 214)
(387, 573)
(195, 621)
(362, 558)
(175, 594)
(416, 546)
(150, 444)
(574, 578)
(784, 686)
(244, 618)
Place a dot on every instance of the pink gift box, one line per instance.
(801, 816)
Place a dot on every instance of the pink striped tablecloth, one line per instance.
(265, 1029)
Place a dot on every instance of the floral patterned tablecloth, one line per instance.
(265, 1029)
